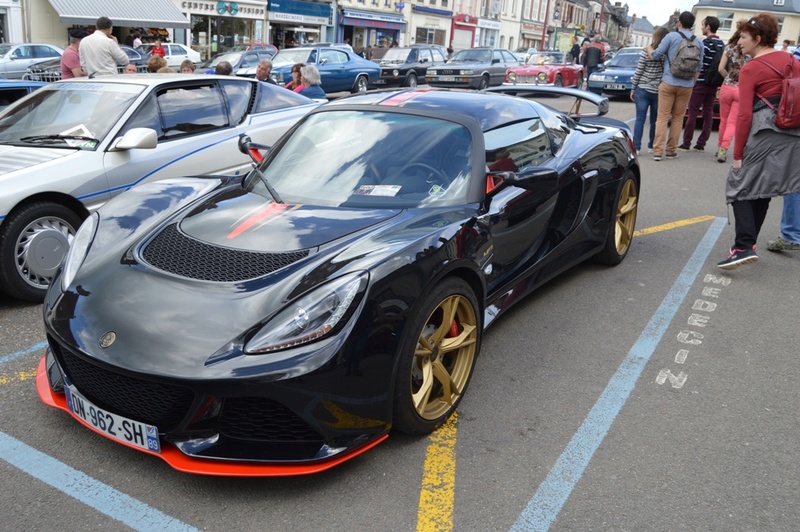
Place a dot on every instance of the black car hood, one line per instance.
(240, 220)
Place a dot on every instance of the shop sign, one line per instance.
(223, 8)
(489, 24)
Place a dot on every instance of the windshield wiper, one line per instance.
(272, 191)
(58, 138)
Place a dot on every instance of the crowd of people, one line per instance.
(99, 54)
(748, 71)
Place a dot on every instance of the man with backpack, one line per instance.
(682, 53)
(705, 89)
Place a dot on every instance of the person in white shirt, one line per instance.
(137, 40)
(100, 52)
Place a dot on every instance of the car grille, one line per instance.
(175, 252)
(258, 418)
(446, 72)
(149, 402)
(42, 75)
(527, 79)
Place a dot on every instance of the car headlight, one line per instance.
(78, 250)
(395, 72)
(467, 72)
(542, 76)
(511, 77)
(597, 77)
(310, 317)
(430, 72)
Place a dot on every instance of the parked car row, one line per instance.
(16, 58)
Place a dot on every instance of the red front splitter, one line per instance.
(187, 464)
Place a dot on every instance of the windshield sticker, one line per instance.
(377, 190)
(79, 131)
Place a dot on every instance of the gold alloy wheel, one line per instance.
(626, 216)
(444, 357)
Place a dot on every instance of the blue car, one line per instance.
(13, 90)
(340, 69)
(614, 77)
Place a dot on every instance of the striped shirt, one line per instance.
(711, 44)
(648, 73)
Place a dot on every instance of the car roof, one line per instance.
(150, 79)
(11, 83)
(490, 110)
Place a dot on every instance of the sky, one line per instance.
(656, 11)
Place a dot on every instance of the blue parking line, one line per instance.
(84, 488)
(18, 354)
(548, 500)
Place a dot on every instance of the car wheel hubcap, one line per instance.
(41, 248)
(626, 216)
(444, 356)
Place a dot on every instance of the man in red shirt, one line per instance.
(71, 58)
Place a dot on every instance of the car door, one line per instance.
(175, 55)
(501, 61)
(197, 122)
(333, 69)
(18, 61)
(519, 219)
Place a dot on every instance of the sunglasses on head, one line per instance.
(753, 22)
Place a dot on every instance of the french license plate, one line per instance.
(614, 86)
(380, 82)
(120, 428)
(446, 78)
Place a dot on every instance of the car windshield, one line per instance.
(547, 58)
(292, 55)
(472, 56)
(395, 55)
(230, 57)
(370, 160)
(76, 115)
(623, 61)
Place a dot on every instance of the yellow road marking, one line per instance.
(17, 376)
(673, 225)
(436, 499)
(437, 496)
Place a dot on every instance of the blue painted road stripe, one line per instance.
(18, 354)
(87, 490)
(548, 500)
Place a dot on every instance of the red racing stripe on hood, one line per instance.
(265, 212)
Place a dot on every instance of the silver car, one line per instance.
(473, 68)
(16, 58)
(72, 145)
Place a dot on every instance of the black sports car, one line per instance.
(282, 322)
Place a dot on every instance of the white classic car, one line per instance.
(72, 145)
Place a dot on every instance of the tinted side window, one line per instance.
(189, 110)
(249, 61)
(513, 147)
(176, 50)
(145, 116)
(238, 96)
(271, 97)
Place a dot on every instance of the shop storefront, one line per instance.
(464, 30)
(222, 26)
(297, 23)
(371, 28)
(489, 32)
(531, 35)
(430, 26)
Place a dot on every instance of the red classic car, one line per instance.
(547, 68)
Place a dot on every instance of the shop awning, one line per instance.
(123, 13)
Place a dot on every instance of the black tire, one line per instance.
(559, 82)
(422, 399)
(484, 83)
(622, 223)
(361, 85)
(411, 81)
(33, 243)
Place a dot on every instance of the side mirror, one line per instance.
(142, 138)
(252, 149)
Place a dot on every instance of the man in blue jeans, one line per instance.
(703, 95)
(790, 226)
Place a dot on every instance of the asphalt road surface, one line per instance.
(660, 394)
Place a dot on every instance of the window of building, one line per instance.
(725, 21)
